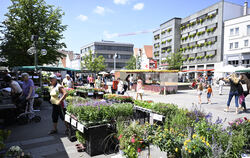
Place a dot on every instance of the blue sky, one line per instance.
(94, 20)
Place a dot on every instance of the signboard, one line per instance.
(80, 127)
(100, 92)
(157, 117)
(90, 93)
(73, 122)
(67, 118)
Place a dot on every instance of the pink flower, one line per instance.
(132, 140)
(120, 137)
(139, 150)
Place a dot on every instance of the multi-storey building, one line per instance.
(200, 36)
(237, 40)
(108, 49)
(166, 40)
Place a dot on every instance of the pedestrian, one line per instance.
(139, 90)
(234, 84)
(120, 87)
(199, 91)
(209, 93)
(114, 86)
(91, 81)
(242, 94)
(16, 90)
(98, 82)
(193, 86)
(127, 81)
(131, 81)
(58, 95)
(221, 84)
(28, 92)
(68, 82)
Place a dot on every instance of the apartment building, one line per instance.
(237, 40)
(145, 55)
(201, 36)
(108, 49)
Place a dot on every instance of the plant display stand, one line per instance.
(99, 140)
(142, 115)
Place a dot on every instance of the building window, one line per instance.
(231, 46)
(231, 32)
(248, 29)
(246, 43)
(236, 44)
(237, 31)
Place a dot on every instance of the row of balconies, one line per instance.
(199, 47)
(199, 35)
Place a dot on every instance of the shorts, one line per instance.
(208, 95)
(199, 93)
(58, 111)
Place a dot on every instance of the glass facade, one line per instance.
(113, 48)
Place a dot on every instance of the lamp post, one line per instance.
(33, 51)
(115, 56)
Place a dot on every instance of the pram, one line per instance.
(24, 116)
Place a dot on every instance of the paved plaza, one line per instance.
(33, 137)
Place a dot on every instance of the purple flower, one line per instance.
(197, 119)
(218, 121)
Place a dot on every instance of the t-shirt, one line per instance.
(120, 86)
(26, 88)
(209, 90)
(56, 95)
(233, 86)
(221, 82)
(15, 87)
(98, 83)
(68, 83)
(131, 79)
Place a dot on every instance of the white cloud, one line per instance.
(121, 2)
(82, 17)
(138, 6)
(108, 35)
(102, 11)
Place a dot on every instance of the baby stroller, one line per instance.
(24, 116)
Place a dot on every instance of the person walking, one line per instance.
(98, 82)
(58, 95)
(91, 81)
(131, 82)
(114, 86)
(234, 84)
(209, 93)
(242, 95)
(68, 82)
(120, 87)
(221, 84)
(199, 91)
(139, 90)
(28, 92)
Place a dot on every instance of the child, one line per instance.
(209, 93)
(199, 91)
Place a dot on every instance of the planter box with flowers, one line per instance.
(163, 42)
(169, 30)
(169, 40)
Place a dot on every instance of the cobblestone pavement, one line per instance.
(33, 137)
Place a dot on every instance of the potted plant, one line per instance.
(169, 50)
(169, 40)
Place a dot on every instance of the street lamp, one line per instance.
(115, 56)
(32, 50)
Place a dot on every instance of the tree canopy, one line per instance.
(94, 63)
(24, 19)
(174, 61)
(131, 64)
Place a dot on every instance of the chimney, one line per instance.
(245, 8)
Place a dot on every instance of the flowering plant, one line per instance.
(118, 98)
(70, 91)
(14, 151)
(196, 147)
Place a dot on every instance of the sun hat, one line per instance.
(53, 76)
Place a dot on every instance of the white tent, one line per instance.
(227, 68)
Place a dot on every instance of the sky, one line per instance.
(95, 20)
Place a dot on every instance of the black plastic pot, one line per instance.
(100, 140)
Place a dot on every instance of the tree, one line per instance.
(24, 19)
(94, 63)
(174, 61)
(131, 65)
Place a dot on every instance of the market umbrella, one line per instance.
(244, 70)
(227, 68)
(112, 72)
(103, 73)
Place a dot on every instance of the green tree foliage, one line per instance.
(131, 65)
(24, 19)
(94, 63)
(174, 61)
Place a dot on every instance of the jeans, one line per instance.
(236, 96)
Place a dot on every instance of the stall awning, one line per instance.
(244, 70)
(148, 70)
(43, 68)
(202, 70)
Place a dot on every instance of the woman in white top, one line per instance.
(68, 82)
(120, 86)
(58, 95)
(16, 89)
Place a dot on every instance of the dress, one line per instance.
(139, 86)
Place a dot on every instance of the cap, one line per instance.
(24, 74)
(53, 76)
(67, 75)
